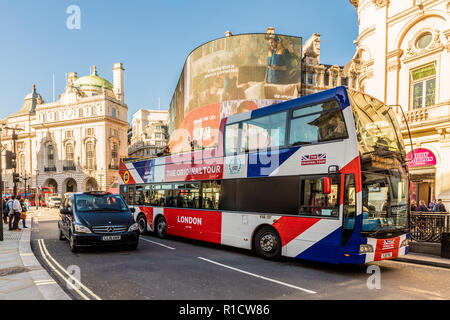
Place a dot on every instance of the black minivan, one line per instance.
(97, 219)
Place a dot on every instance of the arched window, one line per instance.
(90, 155)
(50, 156)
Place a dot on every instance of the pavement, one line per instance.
(22, 277)
(425, 259)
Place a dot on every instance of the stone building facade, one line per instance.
(150, 133)
(404, 49)
(75, 143)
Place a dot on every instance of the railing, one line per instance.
(434, 112)
(50, 169)
(428, 227)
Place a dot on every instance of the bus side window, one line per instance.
(349, 207)
(314, 202)
(124, 192)
(131, 192)
(139, 196)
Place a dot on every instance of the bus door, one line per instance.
(319, 209)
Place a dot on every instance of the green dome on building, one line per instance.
(93, 81)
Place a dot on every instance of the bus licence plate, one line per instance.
(110, 238)
(386, 255)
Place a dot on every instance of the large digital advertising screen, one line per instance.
(228, 76)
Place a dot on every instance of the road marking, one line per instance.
(44, 282)
(70, 276)
(258, 276)
(53, 268)
(159, 244)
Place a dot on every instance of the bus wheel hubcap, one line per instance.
(267, 242)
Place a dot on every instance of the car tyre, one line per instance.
(61, 235)
(267, 243)
(161, 228)
(72, 245)
(133, 246)
(142, 223)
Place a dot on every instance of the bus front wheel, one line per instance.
(161, 227)
(142, 223)
(267, 243)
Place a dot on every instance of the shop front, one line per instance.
(422, 169)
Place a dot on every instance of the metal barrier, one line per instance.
(428, 227)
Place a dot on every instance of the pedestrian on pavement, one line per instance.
(422, 206)
(413, 205)
(23, 214)
(5, 210)
(10, 210)
(439, 207)
(432, 204)
(17, 209)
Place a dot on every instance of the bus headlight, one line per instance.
(365, 248)
(404, 243)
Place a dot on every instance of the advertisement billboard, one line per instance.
(228, 76)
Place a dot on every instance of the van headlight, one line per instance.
(133, 227)
(404, 243)
(365, 248)
(79, 228)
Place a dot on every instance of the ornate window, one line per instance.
(114, 156)
(423, 86)
(90, 155)
(424, 40)
(69, 156)
(50, 156)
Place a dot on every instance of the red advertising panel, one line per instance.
(194, 224)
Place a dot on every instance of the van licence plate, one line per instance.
(110, 238)
(386, 255)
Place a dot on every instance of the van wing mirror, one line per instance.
(326, 185)
(65, 211)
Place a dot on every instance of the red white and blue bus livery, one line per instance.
(322, 177)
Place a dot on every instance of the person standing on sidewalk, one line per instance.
(5, 210)
(17, 209)
(23, 214)
(9, 204)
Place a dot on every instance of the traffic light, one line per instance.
(10, 159)
(16, 177)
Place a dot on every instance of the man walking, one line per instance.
(9, 205)
(17, 210)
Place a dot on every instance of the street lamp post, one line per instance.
(14, 138)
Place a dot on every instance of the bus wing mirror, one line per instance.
(326, 185)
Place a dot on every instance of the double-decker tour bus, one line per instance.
(322, 177)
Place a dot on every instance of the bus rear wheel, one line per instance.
(161, 227)
(267, 243)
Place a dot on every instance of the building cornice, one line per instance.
(67, 123)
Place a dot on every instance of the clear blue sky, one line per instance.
(151, 38)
